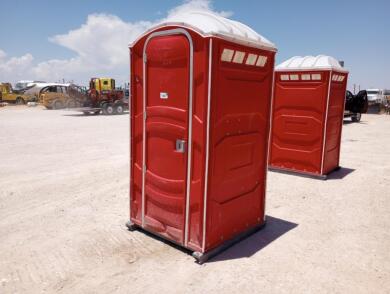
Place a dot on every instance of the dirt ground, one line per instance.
(64, 202)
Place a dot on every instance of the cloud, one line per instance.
(96, 54)
(15, 67)
(197, 5)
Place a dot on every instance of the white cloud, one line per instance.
(100, 46)
(203, 5)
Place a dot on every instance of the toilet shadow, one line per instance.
(340, 173)
(274, 229)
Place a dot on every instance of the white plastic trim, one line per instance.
(206, 172)
(325, 126)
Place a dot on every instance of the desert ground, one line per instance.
(64, 182)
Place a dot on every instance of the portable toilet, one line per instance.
(308, 111)
(201, 88)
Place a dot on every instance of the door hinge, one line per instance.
(145, 58)
(145, 115)
(144, 169)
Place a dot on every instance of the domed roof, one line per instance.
(311, 62)
(209, 24)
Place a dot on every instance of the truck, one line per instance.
(8, 94)
(375, 96)
(102, 96)
(62, 96)
(355, 105)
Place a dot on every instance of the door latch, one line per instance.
(180, 145)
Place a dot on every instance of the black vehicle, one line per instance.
(355, 105)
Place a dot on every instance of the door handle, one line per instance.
(180, 145)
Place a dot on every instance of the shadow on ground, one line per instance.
(347, 122)
(341, 173)
(274, 229)
(91, 114)
(81, 115)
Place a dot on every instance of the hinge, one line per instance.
(145, 115)
(144, 169)
(145, 58)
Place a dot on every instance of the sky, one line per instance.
(75, 40)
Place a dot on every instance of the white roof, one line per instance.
(319, 62)
(210, 24)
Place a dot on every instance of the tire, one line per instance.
(96, 112)
(19, 101)
(109, 109)
(119, 109)
(104, 108)
(86, 112)
(57, 104)
(356, 117)
(70, 103)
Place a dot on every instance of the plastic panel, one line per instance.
(334, 123)
(241, 96)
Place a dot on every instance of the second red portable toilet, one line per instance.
(308, 111)
(201, 88)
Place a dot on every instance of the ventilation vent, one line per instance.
(239, 57)
(227, 55)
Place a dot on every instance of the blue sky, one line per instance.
(353, 31)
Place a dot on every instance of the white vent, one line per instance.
(294, 77)
(239, 57)
(335, 77)
(261, 61)
(284, 77)
(251, 59)
(341, 78)
(305, 77)
(227, 55)
(316, 77)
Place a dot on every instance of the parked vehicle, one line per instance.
(23, 84)
(58, 97)
(375, 96)
(103, 97)
(34, 87)
(355, 105)
(8, 94)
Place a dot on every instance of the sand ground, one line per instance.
(64, 201)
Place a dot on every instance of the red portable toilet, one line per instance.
(308, 111)
(200, 107)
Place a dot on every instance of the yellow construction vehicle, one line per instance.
(7, 94)
(102, 84)
(103, 97)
